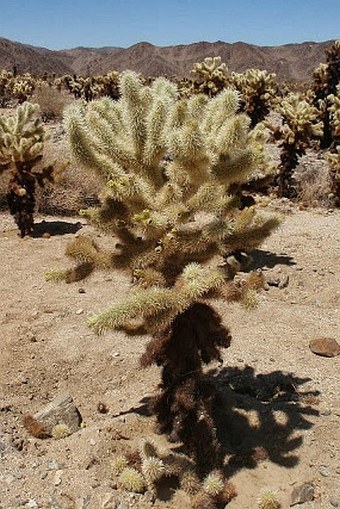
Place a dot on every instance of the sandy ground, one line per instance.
(282, 424)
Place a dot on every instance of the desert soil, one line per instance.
(279, 429)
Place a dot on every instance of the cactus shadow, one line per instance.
(258, 417)
(53, 228)
(266, 259)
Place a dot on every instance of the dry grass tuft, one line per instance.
(76, 190)
(314, 185)
(52, 102)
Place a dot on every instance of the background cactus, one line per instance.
(22, 139)
(210, 76)
(326, 79)
(300, 123)
(258, 91)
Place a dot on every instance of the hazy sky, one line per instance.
(58, 24)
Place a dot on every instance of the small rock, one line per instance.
(108, 502)
(284, 282)
(46, 235)
(4, 449)
(92, 442)
(61, 410)
(18, 475)
(273, 281)
(325, 411)
(149, 497)
(54, 465)
(323, 471)
(303, 493)
(81, 290)
(57, 480)
(327, 347)
(31, 504)
(334, 502)
(79, 311)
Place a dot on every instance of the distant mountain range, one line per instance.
(293, 62)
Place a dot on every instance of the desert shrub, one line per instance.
(314, 182)
(51, 101)
(75, 191)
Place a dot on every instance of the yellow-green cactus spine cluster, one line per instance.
(131, 480)
(157, 464)
(210, 76)
(268, 499)
(22, 138)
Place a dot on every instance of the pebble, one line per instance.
(303, 493)
(325, 411)
(284, 282)
(92, 441)
(81, 290)
(108, 501)
(18, 475)
(54, 465)
(79, 311)
(333, 502)
(57, 479)
(32, 504)
(323, 471)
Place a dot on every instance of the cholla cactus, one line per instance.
(6, 83)
(334, 110)
(334, 154)
(167, 167)
(107, 85)
(334, 163)
(210, 76)
(300, 123)
(258, 91)
(22, 138)
(23, 87)
(326, 79)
